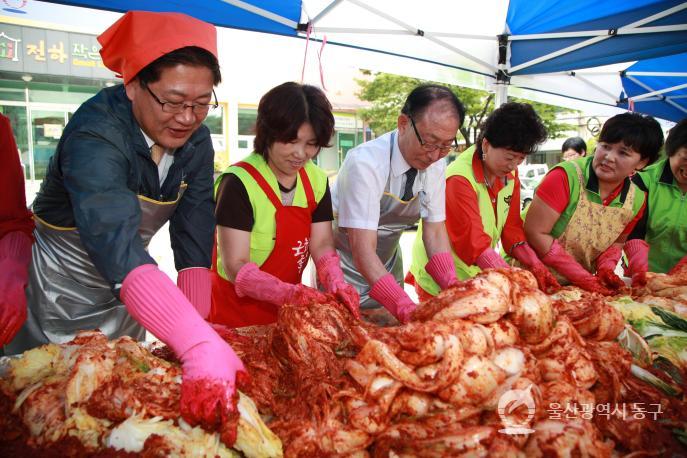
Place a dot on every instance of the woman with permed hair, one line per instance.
(584, 210)
(659, 240)
(483, 200)
(274, 211)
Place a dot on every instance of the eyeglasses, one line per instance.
(180, 107)
(430, 148)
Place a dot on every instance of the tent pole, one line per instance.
(502, 75)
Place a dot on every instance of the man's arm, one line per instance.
(363, 243)
(435, 238)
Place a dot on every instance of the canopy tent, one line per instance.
(562, 47)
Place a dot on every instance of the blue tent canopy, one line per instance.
(529, 45)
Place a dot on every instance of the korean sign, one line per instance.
(40, 51)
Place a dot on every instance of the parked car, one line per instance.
(530, 175)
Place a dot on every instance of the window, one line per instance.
(247, 117)
(215, 120)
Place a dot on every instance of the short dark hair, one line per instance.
(190, 55)
(640, 132)
(285, 108)
(424, 95)
(574, 143)
(677, 138)
(515, 126)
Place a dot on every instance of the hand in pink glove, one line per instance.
(490, 259)
(388, 293)
(637, 251)
(253, 282)
(442, 269)
(196, 285)
(567, 266)
(330, 275)
(527, 257)
(15, 256)
(605, 267)
(678, 267)
(211, 369)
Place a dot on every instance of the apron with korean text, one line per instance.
(67, 294)
(395, 216)
(594, 227)
(286, 261)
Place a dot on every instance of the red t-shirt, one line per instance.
(14, 216)
(554, 190)
(463, 220)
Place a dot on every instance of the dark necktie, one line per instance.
(411, 173)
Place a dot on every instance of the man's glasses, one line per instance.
(180, 107)
(430, 148)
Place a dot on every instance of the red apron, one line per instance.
(286, 262)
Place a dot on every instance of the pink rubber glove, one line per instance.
(605, 267)
(388, 293)
(527, 257)
(330, 275)
(490, 259)
(210, 367)
(678, 267)
(567, 266)
(15, 256)
(196, 285)
(253, 282)
(442, 269)
(637, 251)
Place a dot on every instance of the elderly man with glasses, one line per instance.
(386, 186)
(132, 158)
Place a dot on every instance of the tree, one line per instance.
(387, 93)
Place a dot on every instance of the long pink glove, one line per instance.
(210, 366)
(442, 269)
(605, 267)
(196, 285)
(490, 259)
(679, 266)
(526, 255)
(388, 293)
(637, 251)
(15, 256)
(253, 282)
(567, 266)
(330, 275)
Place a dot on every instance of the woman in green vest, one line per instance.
(273, 211)
(483, 201)
(662, 233)
(584, 210)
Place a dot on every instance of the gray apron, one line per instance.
(395, 216)
(67, 294)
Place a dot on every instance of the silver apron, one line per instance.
(67, 294)
(395, 216)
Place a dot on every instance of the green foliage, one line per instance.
(387, 93)
(548, 114)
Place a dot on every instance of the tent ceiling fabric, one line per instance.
(463, 35)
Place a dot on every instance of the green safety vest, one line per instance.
(264, 226)
(666, 231)
(493, 223)
(574, 184)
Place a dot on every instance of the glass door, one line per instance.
(46, 127)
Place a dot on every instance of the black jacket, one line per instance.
(100, 165)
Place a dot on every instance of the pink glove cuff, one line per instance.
(253, 282)
(388, 293)
(196, 285)
(608, 260)
(16, 245)
(154, 301)
(637, 251)
(442, 269)
(565, 264)
(490, 259)
(329, 270)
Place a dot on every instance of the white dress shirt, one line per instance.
(362, 179)
(166, 160)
